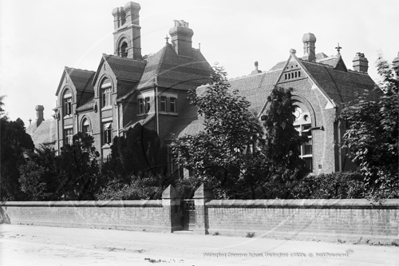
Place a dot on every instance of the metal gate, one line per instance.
(188, 219)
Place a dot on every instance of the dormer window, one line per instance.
(67, 103)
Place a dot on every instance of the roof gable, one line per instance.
(62, 81)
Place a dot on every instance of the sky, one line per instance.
(39, 38)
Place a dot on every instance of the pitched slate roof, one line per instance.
(82, 80)
(188, 123)
(331, 75)
(256, 88)
(174, 71)
(319, 57)
(125, 68)
(341, 86)
(45, 133)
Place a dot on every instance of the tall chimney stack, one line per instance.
(360, 63)
(182, 38)
(39, 114)
(309, 48)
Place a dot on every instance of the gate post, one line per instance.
(171, 209)
(201, 196)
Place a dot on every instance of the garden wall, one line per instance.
(142, 215)
(354, 220)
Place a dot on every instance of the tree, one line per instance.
(372, 136)
(40, 176)
(216, 154)
(14, 145)
(2, 105)
(79, 171)
(137, 166)
(282, 140)
(141, 151)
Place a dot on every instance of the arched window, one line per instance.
(67, 103)
(123, 49)
(85, 126)
(106, 90)
(303, 125)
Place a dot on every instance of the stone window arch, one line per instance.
(86, 125)
(123, 50)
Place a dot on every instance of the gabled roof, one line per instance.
(80, 78)
(45, 133)
(319, 57)
(174, 71)
(341, 86)
(334, 61)
(127, 69)
(256, 88)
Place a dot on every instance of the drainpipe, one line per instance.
(156, 103)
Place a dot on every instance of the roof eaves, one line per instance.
(62, 78)
(98, 69)
(161, 61)
(326, 96)
(277, 80)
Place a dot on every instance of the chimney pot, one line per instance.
(182, 38)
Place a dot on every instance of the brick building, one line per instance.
(128, 88)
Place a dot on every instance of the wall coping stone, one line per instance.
(306, 203)
(100, 203)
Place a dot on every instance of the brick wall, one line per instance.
(354, 220)
(142, 215)
(332, 220)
